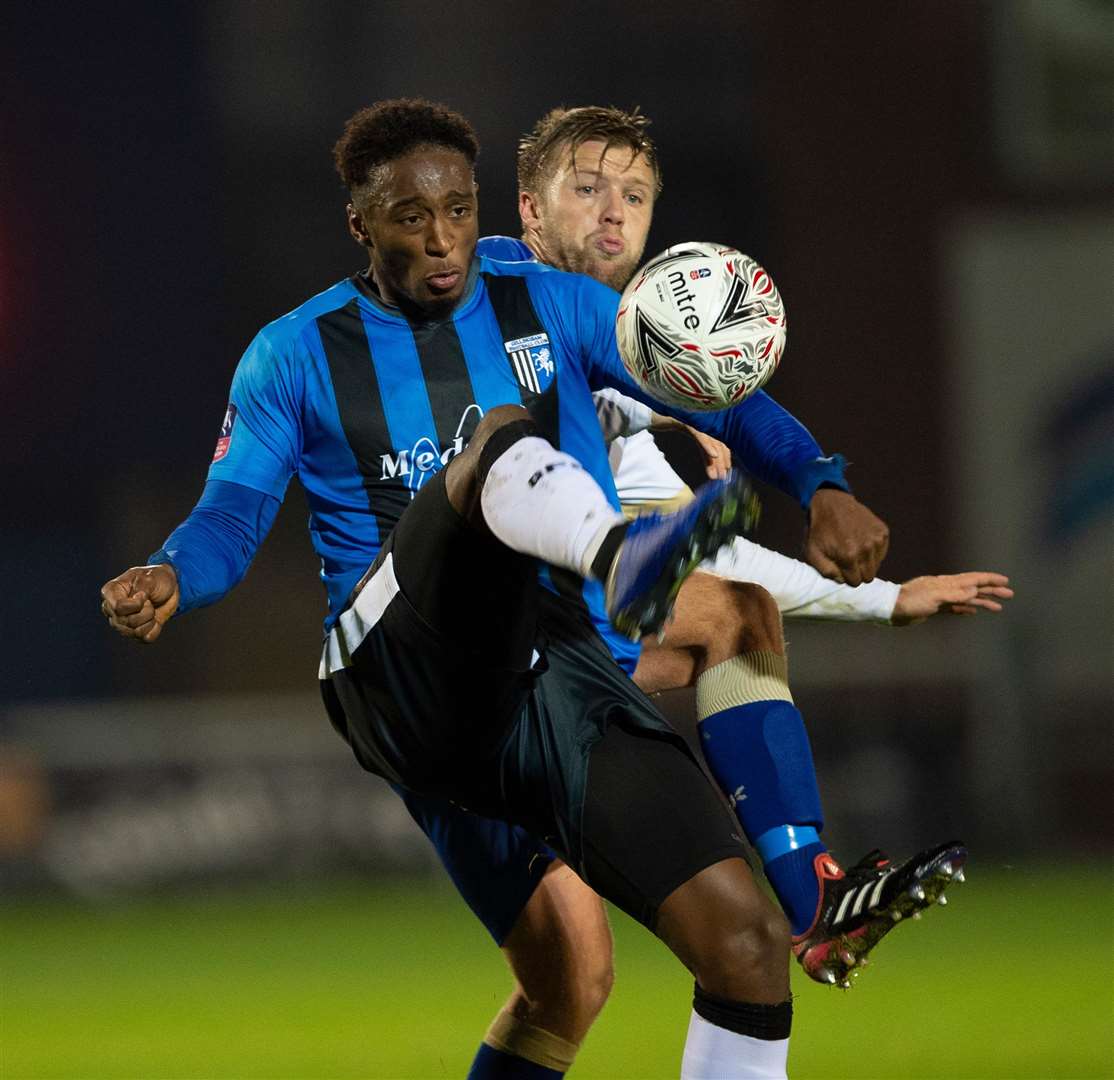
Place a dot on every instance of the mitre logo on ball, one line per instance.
(701, 326)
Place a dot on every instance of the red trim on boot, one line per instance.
(827, 869)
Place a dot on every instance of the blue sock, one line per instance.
(759, 754)
(793, 879)
(492, 1064)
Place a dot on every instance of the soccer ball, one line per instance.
(701, 326)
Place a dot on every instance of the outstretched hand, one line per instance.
(140, 601)
(957, 594)
(845, 541)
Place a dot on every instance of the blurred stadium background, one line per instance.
(197, 879)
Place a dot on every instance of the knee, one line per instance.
(494, 419)
(750, 622)
(464, 475)
(728, 933)
(560, 951)
(752, 948)
(580, 984)
(759, 941)
(594, 985)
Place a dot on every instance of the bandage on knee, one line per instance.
(753, 676)
(516, 1037)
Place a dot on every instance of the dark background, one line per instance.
(167, 188)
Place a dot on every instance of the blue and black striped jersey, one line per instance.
(365, 405)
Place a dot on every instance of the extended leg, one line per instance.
(726, 639)
(539, 501)
(561, 955)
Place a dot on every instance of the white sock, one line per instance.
(539, 501)
(714, 1053)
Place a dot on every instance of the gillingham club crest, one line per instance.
(532, 361)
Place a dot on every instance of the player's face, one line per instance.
(421, 229)
(593, 214)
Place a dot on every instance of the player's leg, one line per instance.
(453, 591)
(658, 842)
(560, 953)
(551, 928)
(593, 768)
(726, 639)
(514, 485)
(420, 694)
(539, 501)
(742, 1010)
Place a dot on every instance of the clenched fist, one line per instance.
(845, 541)
(139, 602)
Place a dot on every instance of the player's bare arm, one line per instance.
(799, 590)
(140, 601)
(955, 594)
(845, 540)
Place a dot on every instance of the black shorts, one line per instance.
(456, 675)
(594, 770)
(495, 866)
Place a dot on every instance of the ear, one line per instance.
(356, 227)
(528, 211)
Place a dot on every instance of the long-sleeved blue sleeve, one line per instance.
(769, 442)
(212, 549)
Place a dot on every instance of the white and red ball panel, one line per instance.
(701, 326)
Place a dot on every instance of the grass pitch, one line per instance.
(1013, 979)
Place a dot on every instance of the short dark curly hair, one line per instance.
(569, 128)
(389, 129)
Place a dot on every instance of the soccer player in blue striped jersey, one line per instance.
(437, 411)
(443, 668)
(446, 671)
